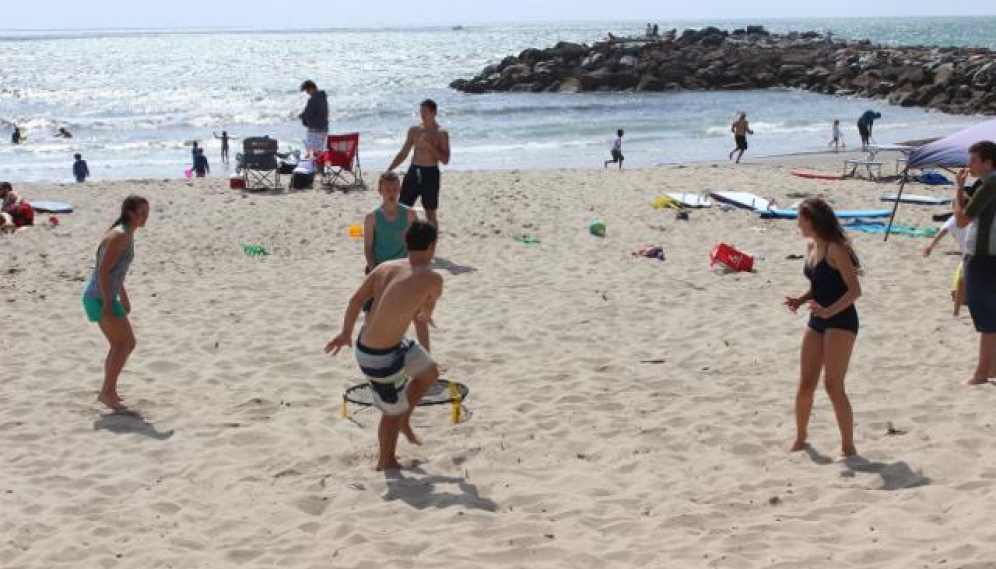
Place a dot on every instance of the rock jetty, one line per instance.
(960, 80)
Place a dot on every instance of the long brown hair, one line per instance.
(826, 225)
(129, 207)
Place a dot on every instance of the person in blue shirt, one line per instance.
(80, 170)
(865, 127)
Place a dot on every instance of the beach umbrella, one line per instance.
(948, 152)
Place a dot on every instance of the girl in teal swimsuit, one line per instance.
(105, 299)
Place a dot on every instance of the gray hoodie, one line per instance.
(316, 112)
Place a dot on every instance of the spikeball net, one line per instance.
(443, 392)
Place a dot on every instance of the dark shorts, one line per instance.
(863, 131)
(421, 182)
(741, 141)
(980, 291)
(617, 156)
(846, 320)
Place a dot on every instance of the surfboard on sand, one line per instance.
(690, 200)
(745, 200)
(50, 207)
(916, 199)
(776, 213)
(814, 175)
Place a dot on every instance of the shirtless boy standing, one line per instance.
(399, 371)
(432, 148)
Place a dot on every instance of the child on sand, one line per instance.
(105, 299)
(958, 233)
(80, 170)
(832, 270)
(398, 370)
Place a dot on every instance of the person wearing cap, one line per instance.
(315, 118)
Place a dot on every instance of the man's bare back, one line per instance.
(401, 293)
(741, 127)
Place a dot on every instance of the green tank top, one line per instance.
(389, 236)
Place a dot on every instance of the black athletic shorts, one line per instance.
(421, 182)
(741, 141)
(617, 156)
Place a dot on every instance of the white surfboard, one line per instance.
(744, 200)
(690, 200)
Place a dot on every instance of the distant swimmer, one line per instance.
(17, 137)
(63, 133)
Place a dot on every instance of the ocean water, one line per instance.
(133, 98)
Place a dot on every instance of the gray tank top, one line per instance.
(118, 272)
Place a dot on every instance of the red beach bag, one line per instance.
(730, 257)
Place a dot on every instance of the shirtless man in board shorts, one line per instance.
(432, 148)
(398, 370)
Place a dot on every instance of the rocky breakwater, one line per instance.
(954, 80)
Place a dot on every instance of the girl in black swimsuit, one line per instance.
(832, 270)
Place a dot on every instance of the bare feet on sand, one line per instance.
(797, 446)
(848, 452)
(389, 465)
(977, 381)
(111, 400)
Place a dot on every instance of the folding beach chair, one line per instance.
(258, 163)
(340, 163)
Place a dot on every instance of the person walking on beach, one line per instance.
(615, 147)
(384, 236)
(832, 269)
(105, 299)
(740, 129)
(224, 138)
(978, 214)
(431, 143)
(865, 123)
(315, 118)
(836, 138)
(80, 170)
(398, 370)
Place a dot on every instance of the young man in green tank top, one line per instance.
(384, 235)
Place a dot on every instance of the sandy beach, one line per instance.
(623, 411)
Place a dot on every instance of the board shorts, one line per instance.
(617, 156)
(864, 131)
(315, 140)
(741, 141)
(980, 292)
(94, 307)
(388, 371)
(421, 182)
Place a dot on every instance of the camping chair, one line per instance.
(258, 163)
(340, 163)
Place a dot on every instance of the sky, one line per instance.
(81, 14)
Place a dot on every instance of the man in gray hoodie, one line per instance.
(315, 118)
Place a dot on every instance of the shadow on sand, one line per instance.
(420, 491)
(895, 476)
(451, 267)
(130, 422)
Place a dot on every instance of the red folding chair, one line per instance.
(340, 163)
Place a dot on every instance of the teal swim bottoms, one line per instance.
(95, 306)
